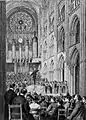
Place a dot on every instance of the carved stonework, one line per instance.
(45, 28)
(45, 68)
(52, 40)
(73, 5)
(51, 22)
(20, 22)
(45, 51)
(61, 42)
(45, 4)
(61, 13)
(52, 65)
(51, 46)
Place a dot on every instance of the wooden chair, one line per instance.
(15, 112)
(69, 111)
(61, 112)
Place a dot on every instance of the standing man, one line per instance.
(9, 96)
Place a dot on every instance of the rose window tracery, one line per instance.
(20, 22)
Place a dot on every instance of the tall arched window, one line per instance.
(75, 31)
(61, 60)
(63, 13)
(62, 39)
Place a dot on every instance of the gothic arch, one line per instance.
(62, 39)
(63, 12)
(73, 55)
(75, 70)
(74, 19)
(75, 30)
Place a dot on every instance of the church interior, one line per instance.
(47, 35)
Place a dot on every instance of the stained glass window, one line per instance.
(20, 22)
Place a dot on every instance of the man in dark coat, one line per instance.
(9, 96)
(79, 110)
(20, 99)
(51, 110)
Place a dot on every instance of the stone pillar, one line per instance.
(67, 43)
(74, 80)
(2, 56)
(83, 48)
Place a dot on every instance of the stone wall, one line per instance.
(64, 12)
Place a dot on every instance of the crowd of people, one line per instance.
(43, 107)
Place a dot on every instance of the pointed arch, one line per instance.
(75, 30)
(74, 55)
(61, 39)
(63, 12)
(75, 60)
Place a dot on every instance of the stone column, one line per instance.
(67, 42)
(74, 80)
(83, 48)
(2, 56)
